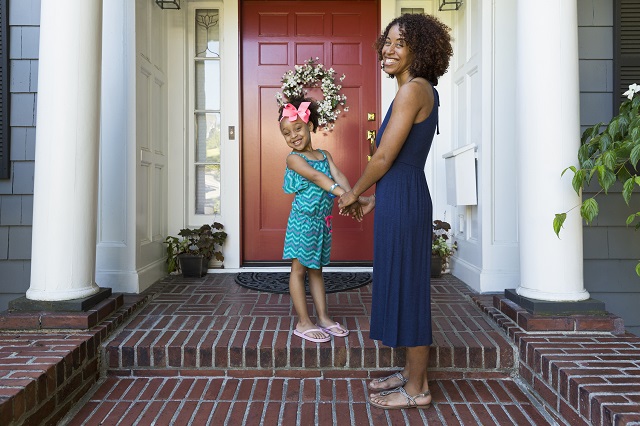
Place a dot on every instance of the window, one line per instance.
(4, 90)
(626, 48)
(412, 10)
(207, 138)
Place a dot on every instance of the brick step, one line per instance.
(267, 343)
(44, 372)
(214, 323)
(589, 377)
(239, 397)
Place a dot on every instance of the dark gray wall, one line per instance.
(611, 250)
(16, 193)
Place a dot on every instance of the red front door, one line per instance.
(276, 35)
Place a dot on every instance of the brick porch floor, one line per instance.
(207, 351)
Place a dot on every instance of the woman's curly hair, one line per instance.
(313, 110)
(429, 41)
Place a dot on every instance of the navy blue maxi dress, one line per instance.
(401, 305)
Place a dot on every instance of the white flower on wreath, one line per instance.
(315, 75)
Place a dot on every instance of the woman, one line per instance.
(415, 50)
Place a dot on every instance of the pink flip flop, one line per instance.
(303, 334)
(333, 333)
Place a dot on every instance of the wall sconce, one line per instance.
(450, 5)
(168, 4)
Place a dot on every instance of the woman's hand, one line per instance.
(347, 199)
(354, 210)
(368, 204)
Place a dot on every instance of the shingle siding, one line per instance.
(16, 193)
(5, 92)
(611, 250)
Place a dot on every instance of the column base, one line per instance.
(568, 317)
(78, 314)
(545, 307)
(23, 304)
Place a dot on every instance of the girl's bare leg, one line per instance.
(316, 286)
(416, 371)
(299, 299)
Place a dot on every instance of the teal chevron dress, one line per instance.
(308, 236)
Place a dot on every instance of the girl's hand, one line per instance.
(347, 199)
(354, 210)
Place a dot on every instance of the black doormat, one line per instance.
(278, 282)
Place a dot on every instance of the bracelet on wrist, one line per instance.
(333, 187)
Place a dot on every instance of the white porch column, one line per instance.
(67, 140)
(548, 135)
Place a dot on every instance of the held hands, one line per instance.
(354, 210)
(346, 200)
(368, 204)
(356, 207)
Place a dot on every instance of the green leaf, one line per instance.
(635, 155)
(578, 179)
(606, 178)
(591, 172)
(572, 168)
(638, 180)
(589, 210)
(623, 174)
(588, 164)
(623, 124)
(584, 153)
(631, 218)
(635, 133)
(609, 159)
(585, 136)
(558, 222)
(605, 141)
(627, 189)
(638, 269)
(612, 130)
(595, 130)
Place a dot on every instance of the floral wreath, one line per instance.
(315, 75)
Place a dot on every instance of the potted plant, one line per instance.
(612, 155)
(441, 250)
(194, 249)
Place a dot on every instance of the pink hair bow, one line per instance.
(293, 113)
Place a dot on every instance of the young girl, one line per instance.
(314, 178)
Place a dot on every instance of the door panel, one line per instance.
(276, 36)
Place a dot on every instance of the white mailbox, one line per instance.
(460, 165)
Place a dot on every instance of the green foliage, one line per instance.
(612, 154)
(205, 241)
(558, 222)
(439, 243)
